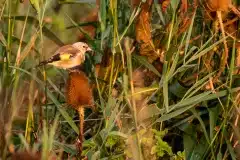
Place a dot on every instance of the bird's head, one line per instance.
(82, 46)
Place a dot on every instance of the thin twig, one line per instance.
(81, 128)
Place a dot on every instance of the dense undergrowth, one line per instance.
(164, 74)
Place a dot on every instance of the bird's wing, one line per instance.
(63, 53)
(68, 49)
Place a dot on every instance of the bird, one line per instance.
(78, 89)
(68, 56)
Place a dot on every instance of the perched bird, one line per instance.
(78, 88)
(68, 56)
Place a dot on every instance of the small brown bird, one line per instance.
(68, 56)
(78, 89)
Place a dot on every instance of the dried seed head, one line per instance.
(79, 91)
(218, 5)
(25, 156)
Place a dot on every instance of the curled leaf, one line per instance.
(143, 32)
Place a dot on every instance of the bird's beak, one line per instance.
(89, 49)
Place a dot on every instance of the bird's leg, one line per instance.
(81, 127)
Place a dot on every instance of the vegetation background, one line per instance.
(165, 77)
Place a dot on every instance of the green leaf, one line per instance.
(96, 156)
(200, 147)
(201, 52)
(35, 4)
(189, 138)
(2, 39)
(165, 94)
(117, 133)
(203, 97)
(66, 147)
(48, 33)
(174, 4)
(103, 14)
(187, 119)
(219, 156)
(111, 141)
(189, 35)
(229, 146)
(194, 148)
(161, 147)
(52, 133)
(197, 86)
(144, 62)
(195, 113)
(213, 116)
(177, 89)
(168, 116)
(93, 23)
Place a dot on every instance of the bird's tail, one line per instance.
(41, 64)
(50, 60)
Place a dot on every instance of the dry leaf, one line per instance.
(135, 3)
(79, 91)
(2, 135)
(165, 4)
(101, 68)
(90, 29)
(138, 76)
(143, 27)
(237, 61)
(231, 29)
(91, 17)
(184, 6)
(184, 26)
(143, 32)
(186, 16)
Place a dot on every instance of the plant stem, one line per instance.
(81, 127)
(225, 55)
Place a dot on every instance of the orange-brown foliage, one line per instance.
(143, 31)
(91, 17)
(220, 5)
(165, 4)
